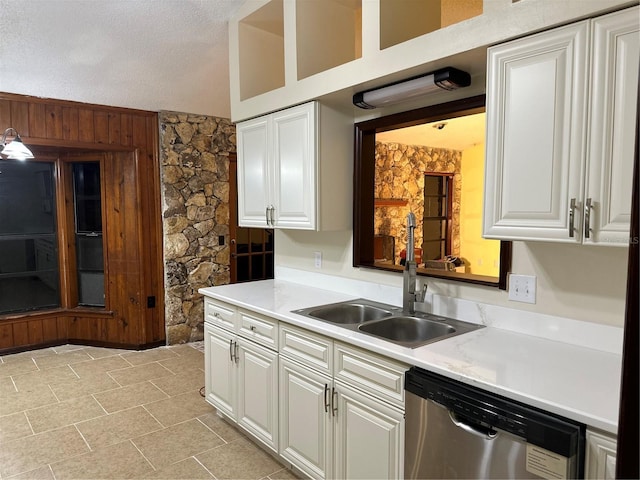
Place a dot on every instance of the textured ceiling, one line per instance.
(147, 54)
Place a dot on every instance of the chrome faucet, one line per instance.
(409, 279)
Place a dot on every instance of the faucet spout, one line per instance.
(409, 275)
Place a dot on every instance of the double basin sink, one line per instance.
(389, 322)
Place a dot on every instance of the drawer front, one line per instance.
(306, 347)
(260, 329)
(221, 314)
(376, 375)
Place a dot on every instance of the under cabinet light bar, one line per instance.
(445, 79)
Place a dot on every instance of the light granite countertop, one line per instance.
(574, 381)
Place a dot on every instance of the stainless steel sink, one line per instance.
(407, 329)
(345, 313)
(388, 322)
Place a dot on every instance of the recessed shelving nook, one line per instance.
(284, 53)
(261, 50)
(408, 19)
(328, 34)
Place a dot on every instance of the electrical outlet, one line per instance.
(522, 288)
(317, 257)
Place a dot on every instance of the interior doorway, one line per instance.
(251, 256)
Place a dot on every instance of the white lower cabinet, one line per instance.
(241, 381)
(305, 418)
(331, 428)
(329, 409)
(601, 456)
(368, 437)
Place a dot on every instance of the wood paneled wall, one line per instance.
(128, 139)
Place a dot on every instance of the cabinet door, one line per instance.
(258, 392)
(221, 372)
(536, 97)
(369, 437)
(601, 456)
(616, 54)
(254, 175)
(294, 146)
(305, 422)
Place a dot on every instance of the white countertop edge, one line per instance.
(276, 298)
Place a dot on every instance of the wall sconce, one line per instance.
(445, 79)
(15, 150)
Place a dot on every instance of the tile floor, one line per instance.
(97, 413)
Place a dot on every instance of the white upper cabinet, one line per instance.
(560, 135)
(282, 161)
(614, 88)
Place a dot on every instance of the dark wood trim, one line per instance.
(363, 186)
(627, 462)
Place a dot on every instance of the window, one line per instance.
(29, 274)
(33, 227)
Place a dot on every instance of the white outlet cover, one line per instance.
(522, 288)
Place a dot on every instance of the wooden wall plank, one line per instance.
(139, 132)
(53, 121)
(37, 120)
(5, 115)
(115, 124)
(20, 118)
(50, 330)
(101, 126)
(20, 333)
(35, 331)
(86, 127)
(6, 335)
(126, 130)
(70, 123)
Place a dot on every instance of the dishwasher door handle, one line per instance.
(487, 433)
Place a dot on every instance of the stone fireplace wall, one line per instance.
(194, 156)
(399, 175)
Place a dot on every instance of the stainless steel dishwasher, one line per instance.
(454, 430)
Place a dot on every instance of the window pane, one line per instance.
(28, 245)
(26, 198)
(28, 274)
(89, 255)
(86, 180)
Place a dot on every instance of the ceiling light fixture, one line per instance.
(15, 149)
(445, 79)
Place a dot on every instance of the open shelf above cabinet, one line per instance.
(261, 50)
(403, 21)
(328, 34)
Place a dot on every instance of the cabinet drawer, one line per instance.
(308, 348)
(377, 375)
(218, 313)
(260, 329)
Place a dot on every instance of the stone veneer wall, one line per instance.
(194, 156)
(399, 175)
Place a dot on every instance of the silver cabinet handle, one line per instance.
(272, 210)
(266, 214)
(326, 400)
(235, 352)
(252, 328)
(231, 350)
(572, 209)
(587, 218)
(334, 401)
